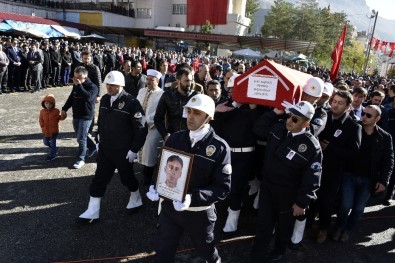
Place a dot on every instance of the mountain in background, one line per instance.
(357, 12)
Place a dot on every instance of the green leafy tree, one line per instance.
(252, 6)
(307, 22)
(279, 21)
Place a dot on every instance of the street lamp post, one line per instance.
(376, 14)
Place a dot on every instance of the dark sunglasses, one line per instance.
(294, 119)
(368, 115)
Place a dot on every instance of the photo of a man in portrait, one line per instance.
(173, 174)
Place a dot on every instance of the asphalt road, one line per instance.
(40, 201)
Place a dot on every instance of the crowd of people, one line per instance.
(326, 154)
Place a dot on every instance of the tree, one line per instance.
(252, 6)
(279, 21)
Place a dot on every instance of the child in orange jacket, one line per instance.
(49, 122)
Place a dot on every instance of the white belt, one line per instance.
(198, 208)
(243, 150)
(261, 142)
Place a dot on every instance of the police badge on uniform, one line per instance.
(138, 115)
(210, 150)
(302, 148)
(121, 105)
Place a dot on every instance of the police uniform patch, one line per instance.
(302, 148)
(138, 115)
(318, 121)
(121, 105)
(193, 100)
(227, 169)
(316, 166)
(210, 150)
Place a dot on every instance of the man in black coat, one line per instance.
(82, 100)
(368, 174)
(138, 80)
(340, 141)
(169, 116)
(14, 68)
(46, 65)
(56, 64)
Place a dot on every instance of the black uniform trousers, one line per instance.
(199, 225)
(275, 212)
(107, 161)
(242, 167)
(327, 196)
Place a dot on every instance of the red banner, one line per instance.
(337, 54)
(198, 11)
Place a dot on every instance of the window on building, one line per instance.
(179, 9)
(144, 13)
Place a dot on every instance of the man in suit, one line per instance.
(14, 68)
(35, 60)
(56, 62)
(4, 61)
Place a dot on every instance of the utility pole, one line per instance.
(370, 41)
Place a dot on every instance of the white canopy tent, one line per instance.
(247, 53)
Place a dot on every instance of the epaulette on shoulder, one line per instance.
(314, 140)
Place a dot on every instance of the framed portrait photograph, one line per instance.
(173, 174)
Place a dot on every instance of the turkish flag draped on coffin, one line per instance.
(198, 11)
(269, 84)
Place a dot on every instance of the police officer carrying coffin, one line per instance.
(292, 171)
(209, 183)
(312, 91)
(122, 132)
(234, 122)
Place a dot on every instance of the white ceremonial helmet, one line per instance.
(231, 81)
(115, 78)
(314, 87)
(203, 103)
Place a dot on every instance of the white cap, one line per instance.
(231, 81)
(203, 103)
(328, 88)
(304, 109)
(115, 78)
(314, 87)
(154, 73)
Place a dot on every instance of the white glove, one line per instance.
(131, 156)
(287, 105)
(97, 147)
(179, 206)
(152, 194)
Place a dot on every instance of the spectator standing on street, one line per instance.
(4, 61)
(138, 79)
(49, 123)
(121, 131)
(82, 100)
(35, 59)
(66, 67)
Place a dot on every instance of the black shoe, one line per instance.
(50, 158)
(294, 246)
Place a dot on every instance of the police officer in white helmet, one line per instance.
(209, 183)
(121, 131)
